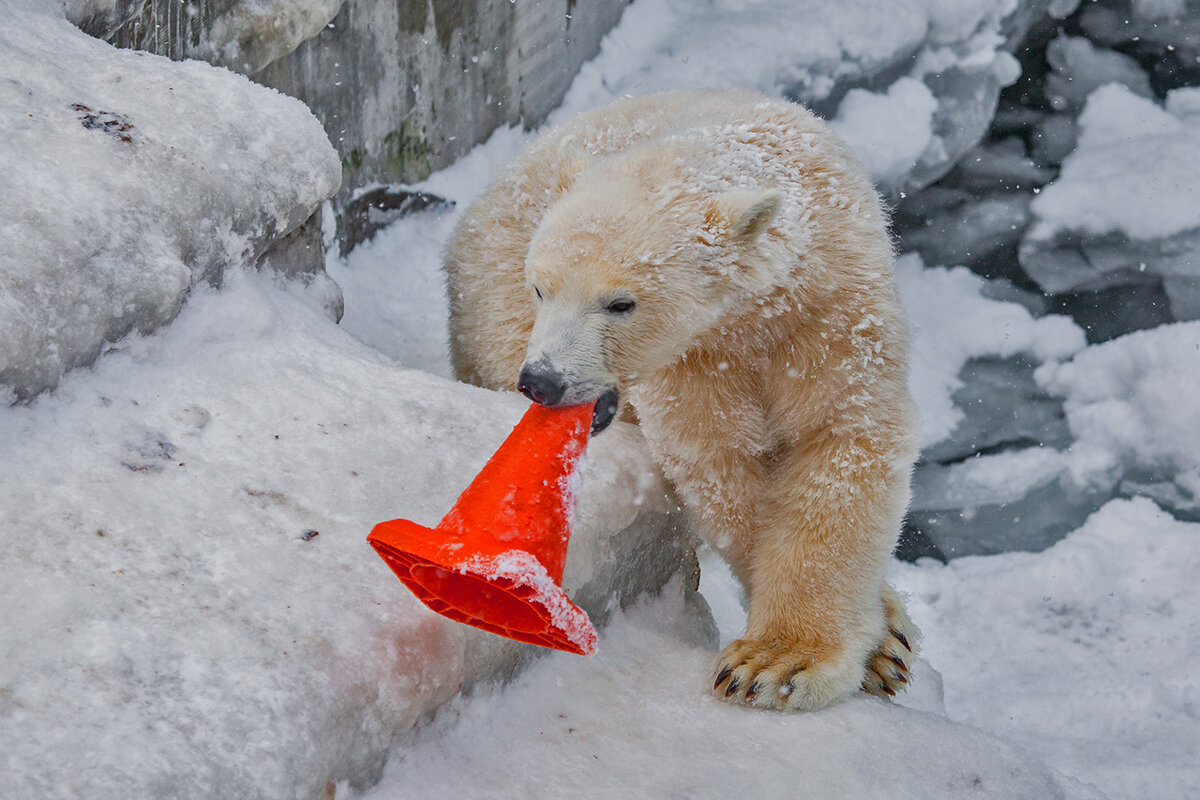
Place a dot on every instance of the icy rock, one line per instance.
(1158, 22)
(1133, 431)
(191, 607)
(1125, 202)
(1131, 407)
(1078, 67)
(963, 504)
(981, 233)
(1139, 303)
(128, 180)
(1014, 500)
(1003, 409)
(375, 209)
(988, 431)
(1053, 139)
(927, 73)
(953, 322)
(998, 166)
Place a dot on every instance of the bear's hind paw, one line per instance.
(889, 667)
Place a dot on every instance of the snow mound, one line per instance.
(191, 605)
(1135, 169)
(128, 179)
(659, 733)
(1084, 653)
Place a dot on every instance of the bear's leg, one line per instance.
(819, 611)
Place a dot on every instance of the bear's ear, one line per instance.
(572, 160)
(749, 213)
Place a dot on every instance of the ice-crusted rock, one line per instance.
(973, 361)
(983, 233)
(128, 179)
(952, 322)
(1015, 500)
(1078, 67)
(1129, 436)
(1125, 203)
(1003, 409)
(1170, 28)
(1130, 430)
(191, 607)
(913, 83)
(403, 88)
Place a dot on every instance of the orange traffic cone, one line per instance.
(496, 560)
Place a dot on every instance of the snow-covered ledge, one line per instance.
(128, 179)
(191, 606)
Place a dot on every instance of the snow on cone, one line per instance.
(496, 560)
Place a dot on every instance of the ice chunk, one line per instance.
(1125, 203)
(820, 55)
(968, 232)
(889, 132)
(1133, 171)
(128, 179)
(952, 322)
(1131, 407)
(1013, 500)
(1078, 67)
(1002, 408)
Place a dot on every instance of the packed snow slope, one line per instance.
(191, 606)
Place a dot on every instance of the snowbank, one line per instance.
(1085, 654)
(637, 721)
(191, 606)
(128, 179)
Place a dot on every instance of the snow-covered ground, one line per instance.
(193, 610)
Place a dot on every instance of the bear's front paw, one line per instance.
(788, 676)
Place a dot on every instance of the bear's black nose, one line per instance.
(542, 385)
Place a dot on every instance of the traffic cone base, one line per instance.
(495, 561)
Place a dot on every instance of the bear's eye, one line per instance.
(622, 306)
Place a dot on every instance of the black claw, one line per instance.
(899, 662)
(731, 688)
(891, 692)
(900, 677)
(903, 640)
(752, 692)
(721, 676)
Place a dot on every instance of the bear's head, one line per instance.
(629, 267)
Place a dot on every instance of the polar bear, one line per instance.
(716, 267)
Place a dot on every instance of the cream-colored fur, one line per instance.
(764, 358)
